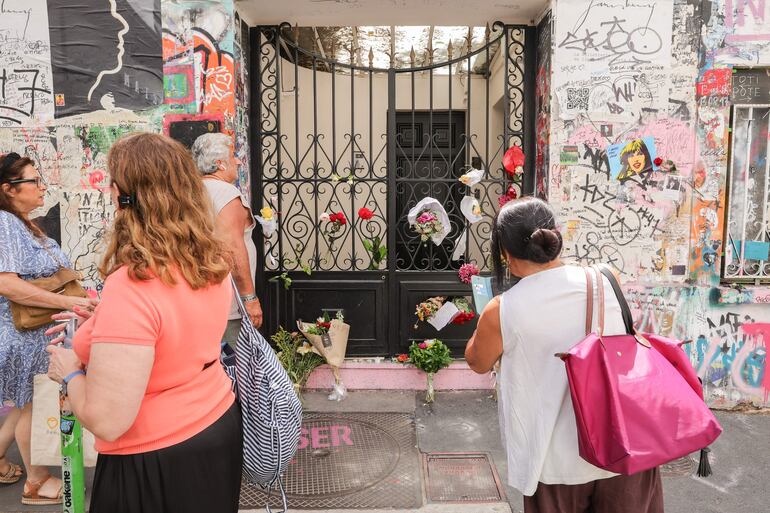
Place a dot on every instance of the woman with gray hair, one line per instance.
(214, 156)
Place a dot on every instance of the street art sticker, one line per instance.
(632, 159)
(612, 57)
(106, 55)
(25, 65)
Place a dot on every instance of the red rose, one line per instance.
(403, 358)
(365, 214)
(513, 158)
(341, 218)
(658, 161)
(332, 218)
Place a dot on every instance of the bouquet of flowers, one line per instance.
(430, 356)
(296, 356)
(466, 312)
(428, 224)
(513, 161)
(466, 272)
(429, 307)
(267, 221)
(430, 220)
(329, 338)
(509, 195)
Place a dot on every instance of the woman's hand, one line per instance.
(78, 313)
(63, 362)
(84, 303)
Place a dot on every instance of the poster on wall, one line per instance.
(631, 158)
(105, 55)
(612, 57)
(25, 64)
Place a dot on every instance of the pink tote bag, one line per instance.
(638, 402)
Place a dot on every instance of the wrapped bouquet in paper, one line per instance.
(267, 221)
(430, 220)
(472, 177)
(329, 338)
(471, 209)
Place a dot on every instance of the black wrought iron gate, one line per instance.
(332, 138)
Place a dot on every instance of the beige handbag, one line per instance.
(64, 282)
(46, 437)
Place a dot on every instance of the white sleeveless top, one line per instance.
(542, 315)
(222, 193)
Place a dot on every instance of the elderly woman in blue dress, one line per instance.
(25, 254)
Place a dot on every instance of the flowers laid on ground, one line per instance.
(430, 356)
(373, 244)
(509, 195)
(296, 356)
(466, 312)
(513, 161)
(329, 338)
(466, 271)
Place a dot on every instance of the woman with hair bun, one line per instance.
(544, 314)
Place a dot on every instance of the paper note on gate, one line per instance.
(482, 291)
(444, 315)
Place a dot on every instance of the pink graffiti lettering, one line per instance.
(324, 437)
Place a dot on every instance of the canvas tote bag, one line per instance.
(46, 437)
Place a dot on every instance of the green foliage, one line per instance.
(432, 358)
(377, 251)
(295, 355)
(284, 278)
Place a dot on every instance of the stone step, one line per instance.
(384, 374)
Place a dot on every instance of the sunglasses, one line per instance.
(39, 182)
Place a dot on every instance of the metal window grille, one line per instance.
(748, 240)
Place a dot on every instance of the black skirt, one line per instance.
(199, 475)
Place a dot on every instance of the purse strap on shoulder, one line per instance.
(628, 319)
(589, 300)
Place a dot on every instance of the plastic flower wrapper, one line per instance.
(472, 177)
(460, 246)
(435, 229)
(329, 338)
(513, 161)
(471, 209)
(465, 314)
(267, 220)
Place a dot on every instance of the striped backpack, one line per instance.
(270, 409)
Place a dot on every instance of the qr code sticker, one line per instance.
(577, 98)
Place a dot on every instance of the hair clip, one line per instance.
(126, 200)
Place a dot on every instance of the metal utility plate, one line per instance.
(461, 477)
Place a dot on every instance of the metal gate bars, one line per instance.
(342, 151)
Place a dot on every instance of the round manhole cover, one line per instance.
(337, 456)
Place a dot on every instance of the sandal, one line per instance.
(12, 475)
(31, 496)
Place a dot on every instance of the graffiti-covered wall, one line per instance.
(76, 76)
(638, 148)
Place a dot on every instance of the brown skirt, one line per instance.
(640, 493)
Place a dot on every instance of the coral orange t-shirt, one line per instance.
(185, 327)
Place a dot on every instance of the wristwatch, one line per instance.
(69, 377)
(248, 298)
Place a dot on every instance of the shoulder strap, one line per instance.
(589, 300)
(600, 287)
(628, 319)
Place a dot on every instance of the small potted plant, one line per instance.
(430, 357)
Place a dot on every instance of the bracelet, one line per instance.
(72, 375)
(248, 298)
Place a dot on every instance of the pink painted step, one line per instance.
(394, 376)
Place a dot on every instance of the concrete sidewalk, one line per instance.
(467, 422)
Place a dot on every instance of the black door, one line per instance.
(430, 158)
